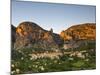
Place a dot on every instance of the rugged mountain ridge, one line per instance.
(29, 34)
(85, 31)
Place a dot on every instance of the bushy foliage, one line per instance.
(50, 65)
(22, 63)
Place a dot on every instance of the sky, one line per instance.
(52, 15)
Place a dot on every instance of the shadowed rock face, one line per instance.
(29, 34)
(83, 31)
(13, 34)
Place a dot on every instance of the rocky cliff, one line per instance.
(82, 31)
(29, 34)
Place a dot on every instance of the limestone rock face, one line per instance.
(83, 31)
(79, 35)
(29, 34)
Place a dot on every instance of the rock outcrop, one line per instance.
(29, 34)
(77, 32)
(79, 35)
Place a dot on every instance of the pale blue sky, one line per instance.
(50, 15)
